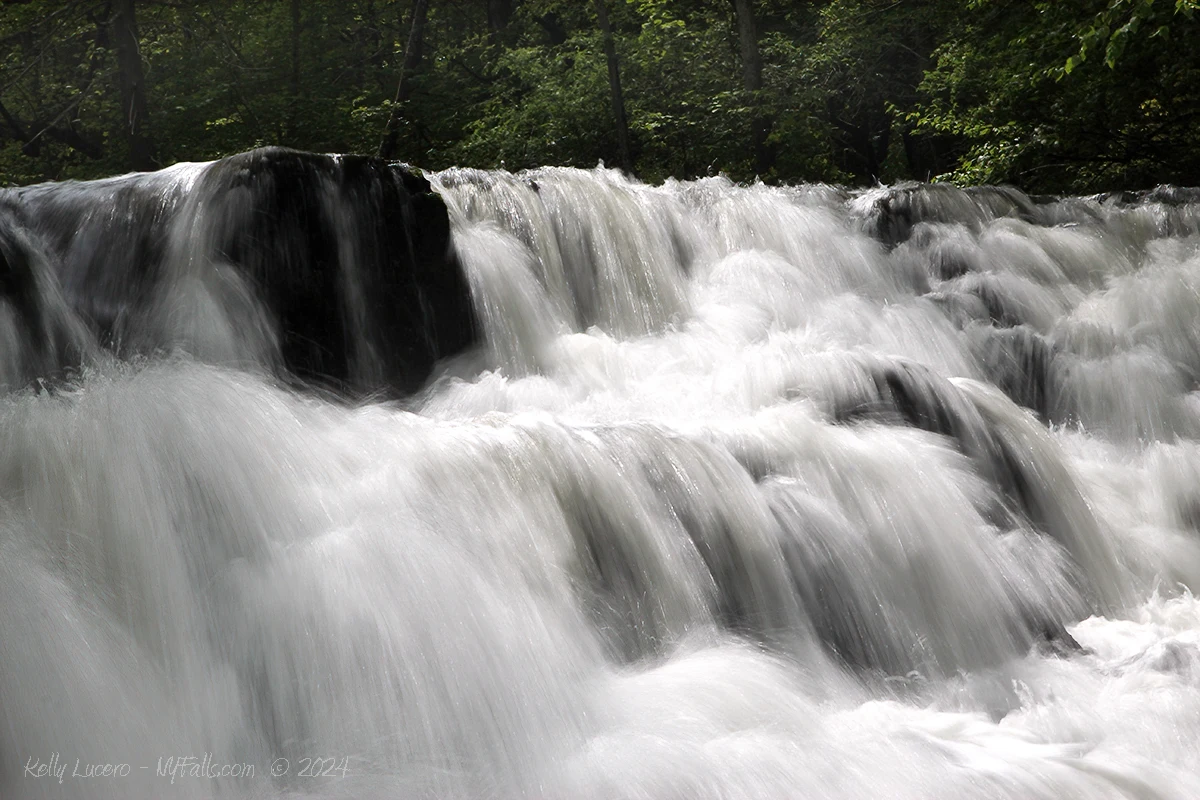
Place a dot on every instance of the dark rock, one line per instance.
(39, 336)
(891, 214)
(1020, 362)
(334, 269)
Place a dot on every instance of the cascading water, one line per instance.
(744, 492)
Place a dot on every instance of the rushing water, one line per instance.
(749, 492)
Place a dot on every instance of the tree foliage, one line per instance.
(1068, 96)
(1055, 96)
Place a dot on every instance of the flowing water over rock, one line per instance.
(744, 492)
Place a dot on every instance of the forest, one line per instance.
(1050, 96)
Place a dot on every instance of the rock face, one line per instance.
(335, 269)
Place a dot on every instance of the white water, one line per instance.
(665, 536)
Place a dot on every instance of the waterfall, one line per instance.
(320, 477)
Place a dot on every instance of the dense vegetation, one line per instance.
(1049, 95)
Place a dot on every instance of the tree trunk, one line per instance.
(131, 79)
(295, 82)
(614, 85)
(412, 56)
(371, 41)
(760, 124)
(293, 114)
(499, 12)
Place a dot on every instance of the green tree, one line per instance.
(1019, 85)
(1052, 96)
